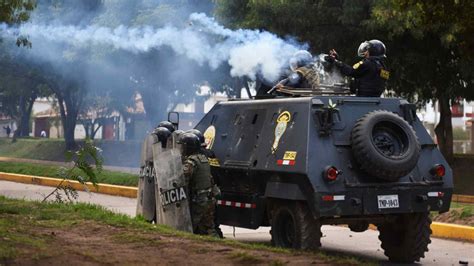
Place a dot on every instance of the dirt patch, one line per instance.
(454, 216)
(91, 243)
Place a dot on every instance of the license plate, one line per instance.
(388, 201)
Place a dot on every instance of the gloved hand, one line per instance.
(334, 54)
(329, 59)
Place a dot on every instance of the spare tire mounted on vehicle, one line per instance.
(385, 145)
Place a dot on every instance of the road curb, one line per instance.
(442, 230)
(453, 231)
(124, 191)
(462, 198)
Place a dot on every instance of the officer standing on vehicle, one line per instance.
(198, 174)
(370, 74)
(302, 75)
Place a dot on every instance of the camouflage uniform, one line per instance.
(198, 177)
(308, 77)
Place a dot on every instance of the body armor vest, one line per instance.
(310, 77)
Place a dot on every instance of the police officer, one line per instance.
(198, 174)
(302, 73)
(370, 74)
(215, 189)
(162, 134)
(167, 125)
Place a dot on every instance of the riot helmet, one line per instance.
(199, 135)
(168, 125)
(190, 143)
(374, 47)
(300, 59)
(163, 134)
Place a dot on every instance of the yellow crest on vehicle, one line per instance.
(209, 136)
(282, 122)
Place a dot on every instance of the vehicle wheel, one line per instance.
(293, 226)
(385, 145)
(406, 239)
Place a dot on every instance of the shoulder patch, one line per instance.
(384, 74)
(357, 65)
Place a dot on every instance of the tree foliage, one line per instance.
(433, 44)
(16, 11)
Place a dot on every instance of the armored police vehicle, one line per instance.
(324, 157)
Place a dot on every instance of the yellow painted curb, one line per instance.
(124, 191)
(462, 198)
(453, 231)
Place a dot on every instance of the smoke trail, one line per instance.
(249, 53)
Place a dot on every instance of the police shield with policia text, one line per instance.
(146, 202)
(370, 74)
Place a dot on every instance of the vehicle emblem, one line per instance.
(282, 122)
(209, 136)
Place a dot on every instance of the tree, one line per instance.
(436, 37)
(20, 87)
(16, 12)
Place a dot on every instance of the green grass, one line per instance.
(118, 153)
(459, 213)
(107, 177)
(465, 210)
(31, 148)
(17, 216)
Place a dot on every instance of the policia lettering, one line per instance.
(173, 196)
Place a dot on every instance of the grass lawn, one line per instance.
(107, 177)
(117, 153)
(51, 233)
(31, 148)
(459, 213)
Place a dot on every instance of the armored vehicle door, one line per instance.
(172, 202)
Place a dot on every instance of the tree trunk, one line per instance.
(444, 129)
(69, 123)
(87, 128)
(24, 125)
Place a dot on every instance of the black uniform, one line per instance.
(370, 76)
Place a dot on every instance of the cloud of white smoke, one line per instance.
(249, 53)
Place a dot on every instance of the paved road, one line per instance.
(335, 239)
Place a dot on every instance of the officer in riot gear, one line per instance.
(197, 133)
(215, 189)
(198, 174)
(370, 74)
(167, 125)
(162, 133)
(302, 75)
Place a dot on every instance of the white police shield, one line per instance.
(172, 200)
(146, 182)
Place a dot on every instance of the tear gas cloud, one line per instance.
(249, 53)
